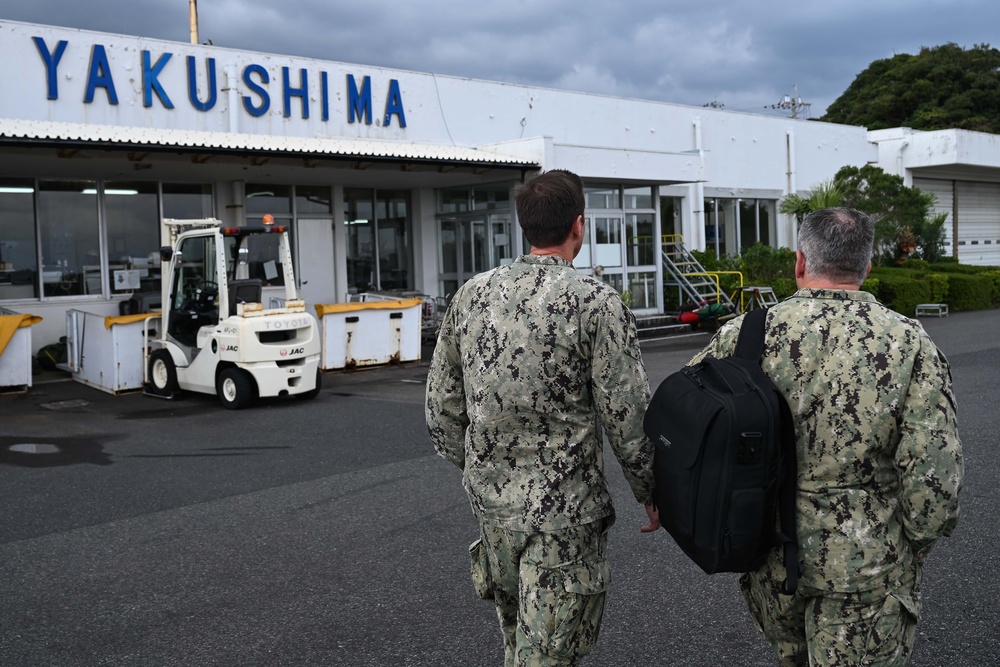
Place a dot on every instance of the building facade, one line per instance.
(387, 179)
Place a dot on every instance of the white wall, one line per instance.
(598, 136)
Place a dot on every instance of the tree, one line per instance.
(942, 87)
(825, 195)
(901, 214)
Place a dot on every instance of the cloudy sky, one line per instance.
(743, 55)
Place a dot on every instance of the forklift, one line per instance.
(215, 336)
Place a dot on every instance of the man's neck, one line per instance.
(809, 282)
(565, 251)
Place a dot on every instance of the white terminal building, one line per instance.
(390, 179)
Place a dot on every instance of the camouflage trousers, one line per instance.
(825, 629)
(548, 589)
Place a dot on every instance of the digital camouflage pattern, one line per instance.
(879, 459)
(549, 589)
(868, 628)
(533, 361)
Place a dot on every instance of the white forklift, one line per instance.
(215, 336)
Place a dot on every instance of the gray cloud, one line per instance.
(744, 55)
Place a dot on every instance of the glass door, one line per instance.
(641, 246)
(471, 245)
(620, 250)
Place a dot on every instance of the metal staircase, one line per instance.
(682, 270)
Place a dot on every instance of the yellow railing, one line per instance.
(718, 289)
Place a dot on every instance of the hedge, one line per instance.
(969, 292)
(902, 293)
(994, 277)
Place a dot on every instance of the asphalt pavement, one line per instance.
(138, 531)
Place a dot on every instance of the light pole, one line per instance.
(193, 6)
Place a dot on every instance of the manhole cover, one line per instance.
(33, 448)
(63, 405)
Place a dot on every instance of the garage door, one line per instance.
(978, 222)
(942, 204)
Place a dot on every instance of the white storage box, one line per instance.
(107, 352)
(15, 357)
(369, 333)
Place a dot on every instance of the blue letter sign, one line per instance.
(51, 63)
(99, 76)
(359, 104)
(394, 105)
(302, 92)
(150, 84)
(265, 99)
(193, 85)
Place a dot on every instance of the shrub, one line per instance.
(902, 293)
(994, 277)
(784, 288)
(871, 285)
(763, 265)
(917, 264)
(955, 267)
(939, 287)
(969, 292)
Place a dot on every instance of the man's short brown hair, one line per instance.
(547, 205)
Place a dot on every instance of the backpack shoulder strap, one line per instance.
(786, 501)
(750, 344)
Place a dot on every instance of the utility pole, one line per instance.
(193, 7)
(792, 103)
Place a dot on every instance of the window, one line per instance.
(70, 235)
(184, 201)
(756, 216)
(18, 250)
(273, 199)
(488, 197)
(670, 215)
(453, 201)
(359, 216)
(640, 243)
(602, 197)
(394, 259)
(264, 259)
(378, 240)
(313, 200)
(132, 214)
(641, 197)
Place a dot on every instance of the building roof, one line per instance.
(372, 149)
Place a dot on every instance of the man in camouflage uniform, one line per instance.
(879, 459)
(533, 362)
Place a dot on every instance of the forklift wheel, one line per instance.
(235, 388)
(312, 393)
(162, 373)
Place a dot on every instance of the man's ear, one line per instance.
(800, 265)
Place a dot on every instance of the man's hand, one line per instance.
(654, 519)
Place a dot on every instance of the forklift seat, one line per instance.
(244, 291)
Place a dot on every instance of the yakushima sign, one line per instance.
(295, 91)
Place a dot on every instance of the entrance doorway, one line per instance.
(316, 262)
(620, 250)
(470, 245)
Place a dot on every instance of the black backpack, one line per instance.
(725, 460)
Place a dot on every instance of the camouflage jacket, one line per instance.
(533, 361)
(879, 459)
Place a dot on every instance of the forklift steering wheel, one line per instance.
(209, 290)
